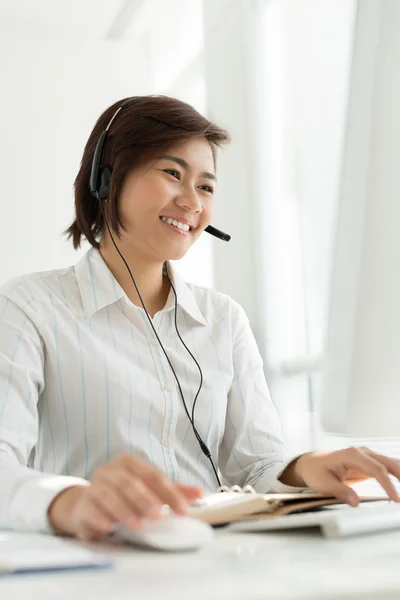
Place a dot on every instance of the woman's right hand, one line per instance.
(125, 490)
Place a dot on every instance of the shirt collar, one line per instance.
(185, 296)
(99, 288)
(97, 285)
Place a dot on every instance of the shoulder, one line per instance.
(34, 288)
(216, 306)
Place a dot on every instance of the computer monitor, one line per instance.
(360, 391)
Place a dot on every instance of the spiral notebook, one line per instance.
(236, 504)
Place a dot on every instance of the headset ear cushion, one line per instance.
(104, 181)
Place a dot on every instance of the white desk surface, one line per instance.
(277, 566)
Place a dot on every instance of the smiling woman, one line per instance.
(105, 411)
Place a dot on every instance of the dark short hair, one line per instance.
(140, 131)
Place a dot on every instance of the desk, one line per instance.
(236, 566)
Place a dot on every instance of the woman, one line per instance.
(121, 387)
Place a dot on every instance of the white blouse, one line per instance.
(83, 378)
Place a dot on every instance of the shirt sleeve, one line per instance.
(252, 450)
(25, 494)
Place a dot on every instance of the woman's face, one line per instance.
(178, 185)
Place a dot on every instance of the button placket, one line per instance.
(167, 389)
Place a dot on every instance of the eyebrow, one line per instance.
(185, 165)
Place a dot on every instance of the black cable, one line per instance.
(202, 445)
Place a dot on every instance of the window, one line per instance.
(308, 50)
(307, 47)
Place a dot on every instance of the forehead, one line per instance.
(196, 151)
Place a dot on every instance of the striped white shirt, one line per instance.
(83, 378)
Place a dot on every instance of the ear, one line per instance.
(104, 181)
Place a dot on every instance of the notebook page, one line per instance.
(32, 552)
(221, 498)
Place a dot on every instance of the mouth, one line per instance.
(176, 226)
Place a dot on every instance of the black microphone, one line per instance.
(225, 237)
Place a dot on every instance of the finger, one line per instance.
(142, 499)
(95, 523)
(143, 502)
(191, 493)
(165, 491)
(376, 469)
(391, 464)
(87, 534)
(112, 504)
(329, 483)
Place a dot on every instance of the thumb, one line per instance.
(332, 485)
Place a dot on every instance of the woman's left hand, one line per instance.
(333, 472)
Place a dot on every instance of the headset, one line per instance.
(99, 185)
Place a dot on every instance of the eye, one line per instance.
(174, 173)
(207, 188)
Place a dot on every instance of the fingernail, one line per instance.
(353, 501)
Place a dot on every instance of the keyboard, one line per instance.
(334, 522)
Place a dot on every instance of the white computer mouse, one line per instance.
(168, 533)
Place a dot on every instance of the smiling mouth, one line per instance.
(176, 226)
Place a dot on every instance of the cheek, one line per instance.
(208, 210)
(140, 201)
(206, 218)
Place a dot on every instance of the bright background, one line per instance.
(274, 73)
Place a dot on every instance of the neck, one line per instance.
(152, 285)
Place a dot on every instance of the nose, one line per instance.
(189, 200)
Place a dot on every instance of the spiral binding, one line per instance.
(247, 489)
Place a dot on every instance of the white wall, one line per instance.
(56, 80)
(53, 88)
(232, 56)
(176, 40)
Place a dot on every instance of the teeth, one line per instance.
(177, 224)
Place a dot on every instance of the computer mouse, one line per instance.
(171, 532)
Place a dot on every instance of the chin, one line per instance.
(176, 255)
(175, 251)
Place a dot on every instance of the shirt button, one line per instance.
(167, 387)
(154, 341)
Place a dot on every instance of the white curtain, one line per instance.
(308, 48)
